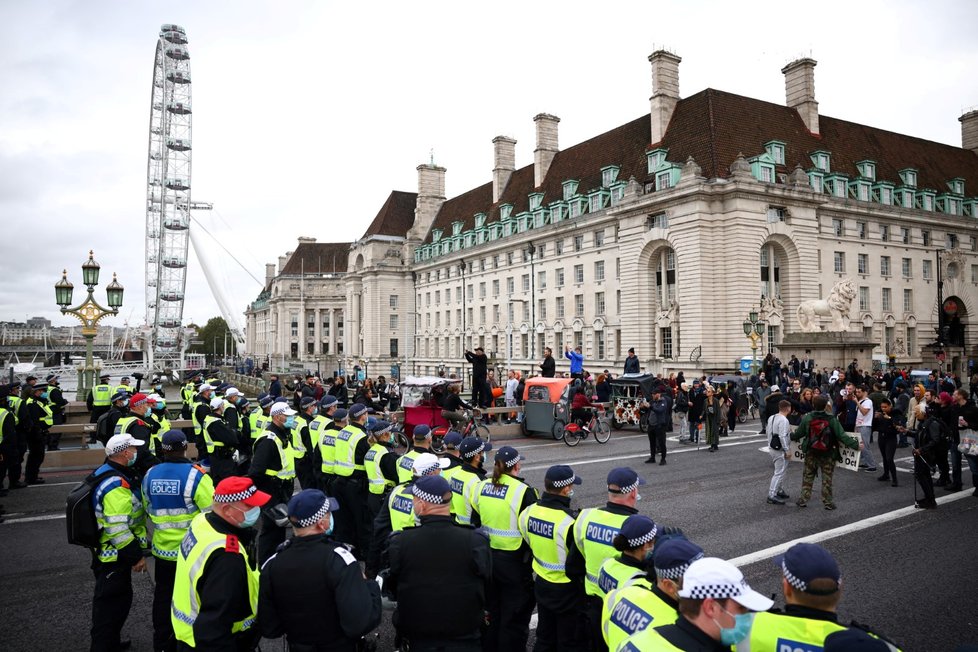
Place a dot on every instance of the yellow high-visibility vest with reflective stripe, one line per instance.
(547, 531)
(498, 507)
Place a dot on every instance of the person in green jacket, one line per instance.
(821, 435)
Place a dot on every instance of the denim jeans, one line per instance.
(866, 432)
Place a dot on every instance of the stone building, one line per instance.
(664, 233)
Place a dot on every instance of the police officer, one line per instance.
(273, 471)
(714, 594)
(547, 526)
(57, 402)
(122, 541)
(350, 486)
(812, 587)
(232, 410)
(327, 446)
(202, 407)
(220, 441)
(39, 420)
(124, 386)
(497, 502)
(8, 439)
(421, 435)
(594, 534)
(174, 491)
(312, 590)
(105, 426)
(635, 542)
(99, 399)
(459, 574)
(215, 596)
(324, 416)
(380, 464)
(302, 442)
(651, 601)
(187, 393)
(399, 512)
(450, 443)
(465, 477)
(140, 424)
(158, 414)
(17, 443)
(259, 418)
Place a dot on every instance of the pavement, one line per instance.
(908, 573)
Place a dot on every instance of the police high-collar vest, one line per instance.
(769, 631)
(201, 541)
(209, 420)
(594, 532)
(346, 446)
(498, 506)
(174, 493)
(285, 456)
(102, 395)
(48, 416)
(546, 528)
(463, 480)
(377, 483)
(405, 465)
(401, 507)
(618, 571)
(633, 607)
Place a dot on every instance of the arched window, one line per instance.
(665, 277)
(770, 272)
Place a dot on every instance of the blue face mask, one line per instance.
(251, 517)
(329, 530)
(289, 423)
(649, 554)
(44, 395)
(314, 412)
(740, 630)
(132, 460)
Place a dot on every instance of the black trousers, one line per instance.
(354, 527)
(559, 631)
(942, 465)
(270, 535)
(110, 604)
(481, 392)
(888, 446)
(222, 466)
(304, 472)
(36, 443)
(657, 441)
(165, 575)
(510, 602)
(592, 614)
(12, 456)
(922, 472)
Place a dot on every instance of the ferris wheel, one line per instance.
(168, 195)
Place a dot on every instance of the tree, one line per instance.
(211, 336)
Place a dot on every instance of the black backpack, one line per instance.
(82, 526)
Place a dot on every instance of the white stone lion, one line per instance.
(836, 306)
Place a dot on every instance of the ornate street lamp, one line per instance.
(89, 313)
(754, 330)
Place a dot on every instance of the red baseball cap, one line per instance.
(238, 489)
(138, 399)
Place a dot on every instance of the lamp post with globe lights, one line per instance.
(89, 313)
(754, 330)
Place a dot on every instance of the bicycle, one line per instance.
(751, 409)
(473, 428)
(598, 424)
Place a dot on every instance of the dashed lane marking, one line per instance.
(32, 519)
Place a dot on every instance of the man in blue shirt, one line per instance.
(576, 361)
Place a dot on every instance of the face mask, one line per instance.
(638, 497)
(44, 395)
(740, 630)
(571, 494)
(328, 531)
(314, 412)
(125, 403)
(250, 517)
(132, 461)
(649, 554)
(289, 423)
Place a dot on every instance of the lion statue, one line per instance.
(836, 306)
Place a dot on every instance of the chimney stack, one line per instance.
(269, 272)
(282, 260)
(665, 91)
(799, 89)
(431, 195)
(546, 149)
(969, 130)
(504, 164)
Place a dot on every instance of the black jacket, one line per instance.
(223, 589)
(313, 593)
(548, 368)
(459, 575)
(632, 365)
(687, 636)
(266, 457)
(479, 364)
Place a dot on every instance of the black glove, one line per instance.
(669, 533)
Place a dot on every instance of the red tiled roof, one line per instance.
(396, 216)
(318, 258)
(714, 127)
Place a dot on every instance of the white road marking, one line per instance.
(685, 449)
(31, 519)
(50, 484)
(825, 535)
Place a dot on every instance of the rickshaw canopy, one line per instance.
(645, 382)
(547, 390)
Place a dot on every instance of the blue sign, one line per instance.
(745, 364)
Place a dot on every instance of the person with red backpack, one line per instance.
(820, 435)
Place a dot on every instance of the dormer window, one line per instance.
(925, 200)
(822, 160)
(505, 210)
(536, 199)
(663, 180)
(617, 193)
(883, 193)
(948, 203)
(956, 186)
(762, 167)
(609, 174)
(817, 181)
(557, 212)
(859, 189)
(570, 189)
(597, 200)
(436, 235)
(837, 185)
(656, 158)
(909, 177)
(480, 220)
(867, 169)
(456, 227)
(775, 149)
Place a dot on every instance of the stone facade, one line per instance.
(662, 235)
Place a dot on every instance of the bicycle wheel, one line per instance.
(400, 442)
(602, 431)
(573, 437)
(557, 430)
(742, 416)
(643, 422)
(438, 445)
(482, 432)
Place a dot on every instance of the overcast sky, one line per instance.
(307, 114)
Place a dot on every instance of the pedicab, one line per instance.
(546, 406)
(421, 400)
(629, 394)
